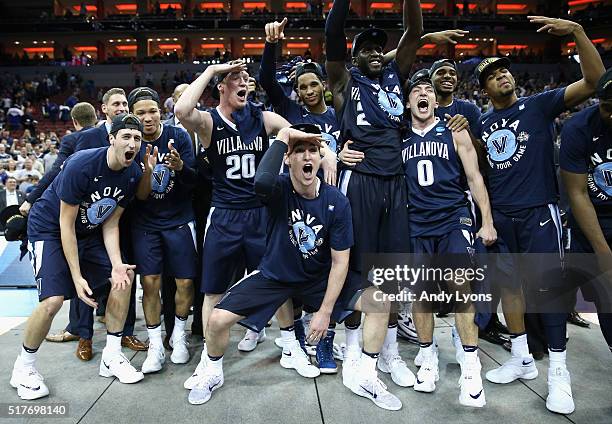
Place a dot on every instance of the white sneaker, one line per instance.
(472, 391)
(208, 383)
(180, 353)
(155, 359)
(116, 364)
(193, 380)
(295, 358)
(251, 339)
(339, 349)
(457, 344)
(375, 390)
(28, 381)
(405, 325)
(350, 364)
(428, 374)
(514, 368)
(418, 360)
(559, 397)
(390, 362)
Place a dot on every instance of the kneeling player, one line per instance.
(73, 232)
(441, 223)
(310, 233)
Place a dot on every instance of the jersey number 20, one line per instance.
(425, 172)
(240, 166)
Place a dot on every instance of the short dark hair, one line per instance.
(111, 92)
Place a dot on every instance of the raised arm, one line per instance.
(469, 160)
(441, 37)
(411, 39)
(267, 70)
(335, 51)
(591, 64)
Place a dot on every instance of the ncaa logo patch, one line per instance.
(501, 145)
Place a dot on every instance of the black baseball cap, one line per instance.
(376, 35)
(439, 64)
(125, 120)
(419, 77)
(307, 128)
(142, 93)
(309, 67)
(14, 223)
(488, 65)
(604, 86)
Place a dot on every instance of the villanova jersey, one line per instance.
(381, 144)
(326, 122)
(519, 141)
(436, 198)
(169, 204)
(234, 164)
(586, 148)
(301, 233)
(87, 181)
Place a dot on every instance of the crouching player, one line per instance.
(307, 254)
(73, 233)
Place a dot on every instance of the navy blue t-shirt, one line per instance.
(169, 204)
(87, 181)
(301, 233)
(437, 202)
(462, 107)
(326, 121)
(586, 148)
(520, 151)
(380, 144)
(234, 164)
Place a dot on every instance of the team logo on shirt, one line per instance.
(304, 229)
(600, 181)
(504, 147)
(390, 102)
(160, 179)
(101, 205)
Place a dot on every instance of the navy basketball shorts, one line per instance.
(257, 298)
(171, 251)
(234, 242)
(379, 207)
(51, 270)
(537, 234)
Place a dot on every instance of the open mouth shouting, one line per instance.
(423, 105)
(308, 169)
(242, 95)
(129, 155)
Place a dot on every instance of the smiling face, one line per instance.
(117, 104)
(233, 89)
(310, 89)
(150, 116)
(499, 83)
(11, 184)
(445, 80)
(369, 59)
(304, 162)
(125, 145)
(422, 102)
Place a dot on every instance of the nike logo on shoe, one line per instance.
(106, 365)
(527, 363)
(369, 392)
(419, 381)
(30, 388)
(476, 396)
(213, 386)
(287, 354)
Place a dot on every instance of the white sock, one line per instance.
(391, 337)
(155, 338)
(28, 358)
(352, 338)
(113, 343)
(557, 359)
(427, 351)
(519, 346)
(217, 365)
(179, 326)
(367, 364)
(470, 357)
(288, 338)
